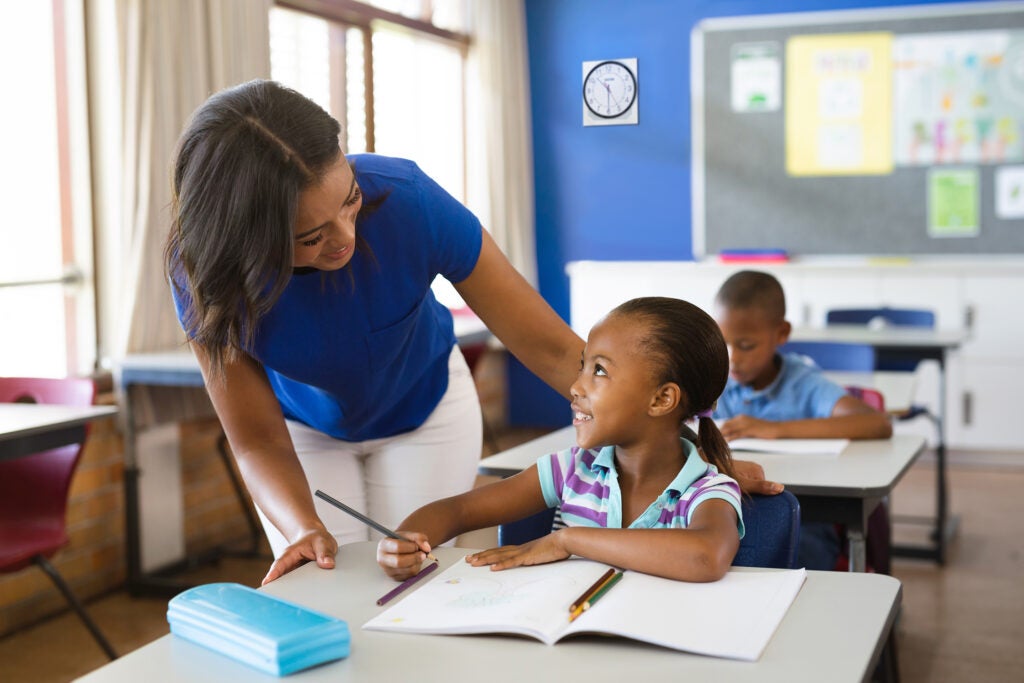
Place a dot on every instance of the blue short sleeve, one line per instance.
(455, 232)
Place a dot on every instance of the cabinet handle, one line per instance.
(969, 314)
(968, 408)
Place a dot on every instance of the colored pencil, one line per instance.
(408, 582)
(596, 596)
(366, 520)
(593, 589)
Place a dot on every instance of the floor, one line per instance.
(957, 623)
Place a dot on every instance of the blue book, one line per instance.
(258, 629)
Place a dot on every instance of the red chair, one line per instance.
(34, 491)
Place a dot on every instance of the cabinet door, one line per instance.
(812, 295)
(997, 325)
(989, 410)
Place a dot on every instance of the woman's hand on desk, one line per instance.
(314, 545)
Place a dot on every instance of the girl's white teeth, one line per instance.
(581, 416)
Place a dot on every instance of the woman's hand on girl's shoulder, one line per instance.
(750, 477)
(315, 545)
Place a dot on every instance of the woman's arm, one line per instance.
(702, 552)
(501, 502)
(521, 319)
(254, 424)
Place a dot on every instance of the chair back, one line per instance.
(897, 317)
(839, 356)
(34, 488)
(772, 535)
(872, 397)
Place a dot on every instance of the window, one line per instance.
(392, 72)
(45, 301)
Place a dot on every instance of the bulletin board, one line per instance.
(880, 131)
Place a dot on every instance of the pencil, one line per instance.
(408, 582)
(593, 589)
(595, 597)
(365, 520)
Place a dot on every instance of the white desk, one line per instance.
(917, 344)
(844, 489)
(811, 639)
(27, 428)
(180, 370)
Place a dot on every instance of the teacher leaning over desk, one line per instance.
(302, 279)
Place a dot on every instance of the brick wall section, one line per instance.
(93, 562)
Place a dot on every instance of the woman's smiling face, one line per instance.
(325, 222)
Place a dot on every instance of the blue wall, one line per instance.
(614, 192)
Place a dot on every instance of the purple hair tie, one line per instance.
(706, 413)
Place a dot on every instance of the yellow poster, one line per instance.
(838, 97)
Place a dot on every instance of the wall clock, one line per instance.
(610, 90)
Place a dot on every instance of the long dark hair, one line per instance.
(241, 164)
(688, 347)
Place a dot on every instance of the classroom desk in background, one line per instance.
(910, 344)
(811, 638)
(844, 489)
(179, 371)
(27, 428)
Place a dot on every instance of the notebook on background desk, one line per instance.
(733, 618)
(790, 446)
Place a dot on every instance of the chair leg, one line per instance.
(58, 580)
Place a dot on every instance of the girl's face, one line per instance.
(616, 385)
(325, 223)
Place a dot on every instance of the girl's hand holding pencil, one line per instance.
(401, 558)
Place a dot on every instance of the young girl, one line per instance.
(632, 493)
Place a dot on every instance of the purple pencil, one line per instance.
(408, 582)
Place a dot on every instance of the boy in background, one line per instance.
(770, 395)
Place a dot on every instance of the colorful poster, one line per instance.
(839, 104)
(953, 202)
(958, 97)
(756, 77)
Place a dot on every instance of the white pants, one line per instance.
(389, 478)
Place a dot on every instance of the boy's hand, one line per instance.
(750, 477)
(541, 551)
(401, 559)
(745, 426)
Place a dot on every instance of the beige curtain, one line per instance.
(170, 56)
(501, 167)
(151, 63)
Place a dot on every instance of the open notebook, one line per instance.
(733, 618)
(791, 446)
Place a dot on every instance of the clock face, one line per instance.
(609, 89)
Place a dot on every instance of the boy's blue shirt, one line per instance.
(799, 392)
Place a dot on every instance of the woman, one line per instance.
(302, 279)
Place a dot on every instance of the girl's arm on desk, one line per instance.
(702, 552)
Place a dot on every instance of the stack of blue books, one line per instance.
(268, 633)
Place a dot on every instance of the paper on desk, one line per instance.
(791, 446)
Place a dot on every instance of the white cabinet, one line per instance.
(982, 296)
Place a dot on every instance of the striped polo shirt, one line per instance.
(585, 486)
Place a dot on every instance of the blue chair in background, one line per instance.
(772, 531)
(888, 359)
(839, 356)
